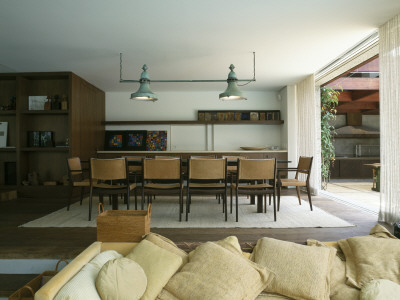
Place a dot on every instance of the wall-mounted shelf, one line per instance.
(45, 149)
(8, 112)
(45, 112)
(179, 122)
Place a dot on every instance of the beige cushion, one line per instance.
(168, 245)
(364, 259)
(121, 279)
(301, 272)
(83, 285)
(158, 264)
(338, 288)
(214, 272)
(380, 289)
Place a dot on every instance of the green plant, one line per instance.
(329, 101)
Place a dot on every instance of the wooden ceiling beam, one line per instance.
(372, 66)
(365, 96)
(355, 83)
(358, 105)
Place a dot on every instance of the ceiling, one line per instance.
(180, 39)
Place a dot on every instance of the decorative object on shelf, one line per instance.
(47, 104)
(12, 104)
(55, 104)
(156, 141)
(254, 116)
(136, 140)
(64, 102)
(3, 134)
(46, 139)
(10, 173)
(235, 115)
(231, 93)
(245, 116)
(33, 138)
(37, 102)
(254, 148)
(114, 140)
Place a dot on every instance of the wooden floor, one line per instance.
(56, 243)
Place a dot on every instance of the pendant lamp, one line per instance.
(144, 93)
(232, 92)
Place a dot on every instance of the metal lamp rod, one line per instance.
(188, 80)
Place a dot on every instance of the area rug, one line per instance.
(205, 213)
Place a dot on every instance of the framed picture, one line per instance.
(156, 141)
(46, 139)
(135, 140)
(33, 138)
(114, 140)
(3, 134)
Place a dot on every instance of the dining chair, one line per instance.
(163, 177)
(303, 170)
(135, 170)
(109, 177)
(255, 177)
(76, 178)
(232, 169)
(207, 177)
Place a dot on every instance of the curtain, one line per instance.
(309, 128)
(389, 94)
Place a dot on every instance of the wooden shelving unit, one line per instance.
(188, 122)
(79, 126)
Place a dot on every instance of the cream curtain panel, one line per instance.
(309, 128)
(389, 94)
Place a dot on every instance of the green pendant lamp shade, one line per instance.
(144, 93)
(232, 92)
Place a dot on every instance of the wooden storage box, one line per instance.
(123, 225)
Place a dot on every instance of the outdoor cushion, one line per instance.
(301, 272)
(158, 264)
(121, 279)
(83, 285)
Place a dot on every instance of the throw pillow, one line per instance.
(301, 272)
(214, 272)
(380, 289)
(158, 264)
(167, 244)
(339, 290)
(83, 285)
(369, 258)
(121, 279)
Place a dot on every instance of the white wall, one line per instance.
(184, 106)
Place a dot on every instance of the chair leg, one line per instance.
(273, 196)
(309, 196)
(180, 206)
(231, 197)
(128, 198)
(298, 193)
(142, 205)
(226, 207)
(187, 203)
(90, 204)
(82, 190)
(279, 196)
(71, 189)
(237, 206)
(135, 191)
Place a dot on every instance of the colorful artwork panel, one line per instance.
(156, 141)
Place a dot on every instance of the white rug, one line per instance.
(205, 213)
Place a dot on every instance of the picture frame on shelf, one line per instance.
(135, 140)
(114, 140)
(33, 139)
(37, 102)
(46, 139)
(3, 134)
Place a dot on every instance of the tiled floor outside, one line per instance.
(356, 193)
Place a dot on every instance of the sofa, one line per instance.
(363, 267)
